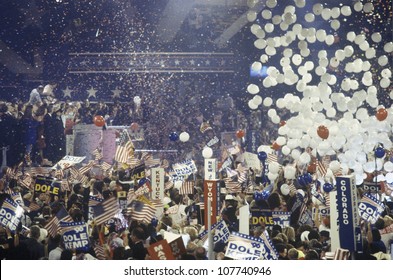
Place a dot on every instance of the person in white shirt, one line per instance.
(48, 93)
(35, 96)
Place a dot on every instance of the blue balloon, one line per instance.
(308, 178)
(262, 156)
(301, 181)
(265, 194)
(379, 152)
(173, 136)
(327, 187)
(142, 181)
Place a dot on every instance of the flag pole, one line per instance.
(209, 231)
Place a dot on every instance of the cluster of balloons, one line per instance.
(324, 119)
(183, 137)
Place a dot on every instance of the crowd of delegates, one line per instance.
(35, 135)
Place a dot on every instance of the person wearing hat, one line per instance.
(35, 96)
(229, 212)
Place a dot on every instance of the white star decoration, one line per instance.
(92, 92)
(67, 92)
(116, 93)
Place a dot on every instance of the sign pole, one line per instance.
(209, 231)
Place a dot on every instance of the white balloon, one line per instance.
(358, 6)
(257, 100)
(317, 9)
(295, 154)
(376, 37)
(368, 7)
(285, 150)
(388, 166)
(386, 73)
(351, 36)
(335, 24)
(252, 88)
(326, 13)
(289, 172)
(321, 35)
(184, 136)
(207, 152)
(285, 189)
(383, 60)
(389, 178)
(269, 27)
(251, 15)
(256, 66)
(274, 167)
(384, 83)
(252, 105)
(300, 3)
(266, 14)
(264, 58)
(309, 17)
(346, 11)
(304, 158)
(369, 167)
(388, 47)
(335, 12)
(260, 44)
(268, 102)
(271, 3)
(297, 59)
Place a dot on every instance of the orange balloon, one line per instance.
(381, 114)
(134, 126)
(312, 167)
(275, 146)
(99, 121)
(240, 133)
(323, 132)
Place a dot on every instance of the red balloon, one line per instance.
(381, 114)
(99, 121)
(323, 132)
(312, 167)
(134, 126)
(282, 123)
(240, 133)
(275, 146)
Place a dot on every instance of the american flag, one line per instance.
(141, 211)
(87, 167)
(99, 250)
(168, 185)
(125, 148)
(105, 166)
(25, 181)
(341, 254)
(10, 173)
(97, 153)
(105, 210)
(76, 175)
(187, 188)
(205, 126)
(327, 199)
(65, 186)
(133, 161)
(94, 201)
(59, 174)
(233, 187)
(321, 169)
(34, 207)
(53, 225)
(271, 158)
(164, 164)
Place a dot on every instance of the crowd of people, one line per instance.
(34, 133)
